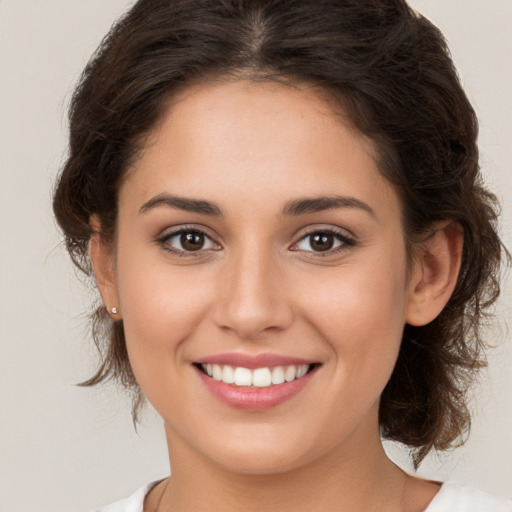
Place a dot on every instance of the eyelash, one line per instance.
(345, 242)
(164, 240)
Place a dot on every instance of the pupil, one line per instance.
(192, 241)
(322, 242)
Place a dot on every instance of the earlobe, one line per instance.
(103, 267)
(435, 272)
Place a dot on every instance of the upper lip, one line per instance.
(253, 361)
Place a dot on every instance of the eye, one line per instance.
(323, 241)
(187, 240)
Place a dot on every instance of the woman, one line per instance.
(281, 205)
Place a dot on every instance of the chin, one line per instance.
(263, 455)
(260, 464)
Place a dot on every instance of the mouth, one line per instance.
(249, 384)
(263, 377)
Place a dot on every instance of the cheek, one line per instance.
(358, 302)
(360, 312)
(161, 307)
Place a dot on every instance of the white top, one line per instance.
(451, 498)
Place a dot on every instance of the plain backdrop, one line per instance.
(64, 448)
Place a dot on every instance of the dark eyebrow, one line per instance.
(318, 204)
(182, 203)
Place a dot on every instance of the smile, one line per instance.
(255, 383)
(258, 377)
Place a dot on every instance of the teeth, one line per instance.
(290, 373)
(301, 371)
(228, 375)
(260, 377)
(243, 377)
(278, 375)
(217, 372)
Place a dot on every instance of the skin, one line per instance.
(258, 285)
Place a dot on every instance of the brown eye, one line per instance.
(183, 241)
(192, 241)
(322, 242)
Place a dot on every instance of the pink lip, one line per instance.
(253, 361)
(252, 398)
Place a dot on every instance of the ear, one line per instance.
(434, 275)
(102, 261)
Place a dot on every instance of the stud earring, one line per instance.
(114, 311)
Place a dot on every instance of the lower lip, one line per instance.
(252, 398)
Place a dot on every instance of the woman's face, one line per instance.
(257, 241)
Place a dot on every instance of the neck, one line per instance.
(344, 479)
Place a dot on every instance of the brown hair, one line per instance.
(391, 73)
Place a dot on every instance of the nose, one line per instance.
(252, 301)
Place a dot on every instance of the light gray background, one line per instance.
(63, 448)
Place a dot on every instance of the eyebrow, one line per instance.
(292, 208)
(182, 203)
(322, 203)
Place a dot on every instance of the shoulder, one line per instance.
(455, 498)
(134, 503)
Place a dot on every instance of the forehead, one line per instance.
(247, 139)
